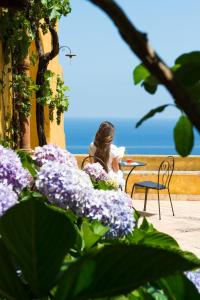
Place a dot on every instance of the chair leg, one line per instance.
(132, 190)
(145, 199)
(171, 202)
(159, 204)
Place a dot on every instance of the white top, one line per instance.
(114, 152)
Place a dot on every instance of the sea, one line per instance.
(154, 136)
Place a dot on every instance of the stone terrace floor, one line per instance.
(184, 226)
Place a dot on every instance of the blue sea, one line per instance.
(152, 137)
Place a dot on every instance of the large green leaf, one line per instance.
(92, 232)
(151, 113)
(178, 287)
(187, 68)
(150, 84)
(140, 73)
(153, 238)
(119, 269)
(183, 136)
(187, 58)
(188, 74)
(10, 285)
(38, 237)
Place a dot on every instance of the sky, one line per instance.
(100, 76)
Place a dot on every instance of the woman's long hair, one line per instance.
(103, 140)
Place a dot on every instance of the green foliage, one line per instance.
(18, 30)
(117, 269)
(38, 239)
(92, 233)
(104, 185)
(27, 162)
(177, 287)
(187, 70)
(59, 102)
(151, 113)
(47, 94)
(184, 136)
(23, 86)
(140, 73)
(143, 76)
(42, 241)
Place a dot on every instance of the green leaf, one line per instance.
(92, 232)
(178, 287)
(38, 237)
(152, 237)
(186, 58)
(151, 113)
(183, 136)
(140, 73)
(150, 84)
(188, 70)
(119, 269)
(10, 285)
(27, 162)
(188, 74)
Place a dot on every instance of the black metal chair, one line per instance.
(165, 172)
(95, 159)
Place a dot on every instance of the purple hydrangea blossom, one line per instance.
(53, 153)
(113, 209)
(96, 171)
(62, 184)
(11, 170)
(194, 276)
(8, 197)
(72, 189)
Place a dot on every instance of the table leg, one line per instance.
(126, 183)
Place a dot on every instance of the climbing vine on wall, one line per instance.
(19, 28)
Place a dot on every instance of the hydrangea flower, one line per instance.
(60, 183)
(11, 170)
(8, 197)
(53, 153)
(99, 177)
(72, 189)
(194, 276)
(96, 171)
(113, 209)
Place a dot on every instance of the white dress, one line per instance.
(115, 152)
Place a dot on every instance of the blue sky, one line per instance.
(100, 76)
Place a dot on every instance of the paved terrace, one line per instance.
(184, 226)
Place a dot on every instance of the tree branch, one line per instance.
(44, 59)
(138, 43)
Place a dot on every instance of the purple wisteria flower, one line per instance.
(72, 189)
(51, 152)
(8, 197)
(194, 276)
(96, 171)
(11, 170)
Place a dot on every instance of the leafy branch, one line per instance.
(138, 42)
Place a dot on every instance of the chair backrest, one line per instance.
(165, 171)
(95, 159)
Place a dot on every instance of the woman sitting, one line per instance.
(108, 154)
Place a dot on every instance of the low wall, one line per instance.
(185, 183)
